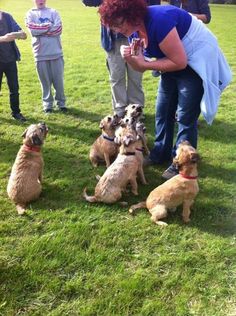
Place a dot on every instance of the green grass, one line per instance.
(68, 257)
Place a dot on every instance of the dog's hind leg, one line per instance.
(158, 212)
(137, 206)
(20, 209)
(186, 210)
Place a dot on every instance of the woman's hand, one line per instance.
(136, 62)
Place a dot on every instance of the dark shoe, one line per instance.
(156, 73)
(148, 162)
(64, 109)
(47, 111)
(19, 117)
(170, 172)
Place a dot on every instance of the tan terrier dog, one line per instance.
(181, 189)
(25, 182)
(104, 148)
(118, 175)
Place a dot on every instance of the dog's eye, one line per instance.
(133, 107)
(109, 118)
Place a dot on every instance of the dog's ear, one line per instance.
(24, 133)
(101, 124)
(194, 157)
(176, 162)
(36, 140)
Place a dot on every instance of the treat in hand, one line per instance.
(135, 45)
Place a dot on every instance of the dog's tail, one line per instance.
(20, 209)
(91, 199)
(137, 206)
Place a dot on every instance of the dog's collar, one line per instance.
(188, 177)
(108, 138)
(129, 153)
(140, 149)
(32, 148)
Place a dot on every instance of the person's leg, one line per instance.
(117, 75)
(45, 78)
(190, 91)
(166, 105)
(12, 82)
(190, 95)
(57, 67)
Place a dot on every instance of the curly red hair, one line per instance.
(132, 11)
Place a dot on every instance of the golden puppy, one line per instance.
(104, 148)
(119, 174)
(24, 184)
(181, 189)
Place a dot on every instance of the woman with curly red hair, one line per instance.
(193, 69)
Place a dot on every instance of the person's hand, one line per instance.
(9, 37)
(137, 62)
(125, 51)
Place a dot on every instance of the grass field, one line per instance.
(68, 257)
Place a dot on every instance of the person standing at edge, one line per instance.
(125, 82)
(193, 75)
(45, 27)
(9, 55)
(198, 8)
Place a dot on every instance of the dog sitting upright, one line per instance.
(181, 189)
(134, 110)
(120, 173)
(24, 184)
(104, 148)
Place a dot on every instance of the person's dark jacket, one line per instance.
(195, 7)
(107, 36)
(12, 27)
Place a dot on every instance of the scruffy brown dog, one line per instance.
(181, 189)
(24, 184)
(104, 148)
(118, 175)
(134, 110)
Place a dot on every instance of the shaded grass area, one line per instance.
(68, 257)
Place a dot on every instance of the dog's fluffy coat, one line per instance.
(24, 184)
(181, 189)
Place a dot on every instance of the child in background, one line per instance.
(9, 55)
(45, 27)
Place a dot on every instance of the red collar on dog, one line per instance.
(32, 148)
(188, 177)
(108, 138)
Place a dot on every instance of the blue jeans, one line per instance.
(180, 93)
(10, 71)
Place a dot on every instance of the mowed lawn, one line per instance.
(69, 257)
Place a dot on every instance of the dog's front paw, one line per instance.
(186, 220)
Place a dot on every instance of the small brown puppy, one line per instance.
(24, 184)
(104, 148)
(117, 176)
(181, 189)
